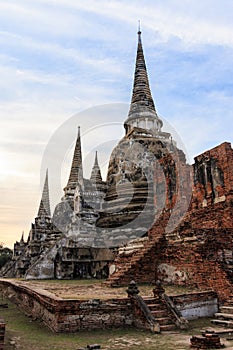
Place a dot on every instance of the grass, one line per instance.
(33, 335)
(26, 334)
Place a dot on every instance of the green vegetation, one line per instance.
(5, 255)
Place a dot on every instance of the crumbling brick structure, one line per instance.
(202, 245)
(199, 251)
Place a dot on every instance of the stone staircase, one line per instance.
(160, 313)
(127, 270)
(140, 266)
(225, 315)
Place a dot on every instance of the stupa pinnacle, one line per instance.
(76, 172)
(142, 111)
(44, 208)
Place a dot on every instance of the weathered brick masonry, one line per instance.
(185, 264)
(69, 315)
(198, 252)
(66, 315)
(2, 332)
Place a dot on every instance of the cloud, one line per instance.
(205, 125)
(192, 23)
(61, 57)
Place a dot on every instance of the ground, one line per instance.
(26, 334)
(92, 289)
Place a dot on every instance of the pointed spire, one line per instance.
(142, 104)
(44, 208)
(76, 172)
(96, 173)
(96, 159)
(22, 238)
(139, 32)
(141, 96)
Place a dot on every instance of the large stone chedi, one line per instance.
(77, 213)
(143, 173)
(147, 175)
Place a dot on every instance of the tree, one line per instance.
(5, 255)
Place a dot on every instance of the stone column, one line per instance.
(132, 289)
(158, 290)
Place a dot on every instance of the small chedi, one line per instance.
(155, 217)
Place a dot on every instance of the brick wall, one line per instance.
(213, 176)
(184, 264)
(198, 252)
(2, 332)
(69, 316)
(195, 305)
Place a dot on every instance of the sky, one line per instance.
(65, 58)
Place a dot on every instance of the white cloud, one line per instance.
(59, 57)
(107, 65)
(193, 27)
(192, 23)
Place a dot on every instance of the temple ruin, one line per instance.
(155, 217)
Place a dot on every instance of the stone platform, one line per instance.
(71, 306)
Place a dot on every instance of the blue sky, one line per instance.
(61, 57)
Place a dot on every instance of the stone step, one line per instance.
(136, 259)
(229, 303)
(127, 268)
(156, 307)
(124, 267)
(226, 309)
(158, 313)
(148, 299)
(167, 327)
(222, 315)
(152, 305)
(224, 323)
(163, 321)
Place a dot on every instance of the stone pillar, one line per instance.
(132, 289)
(158, 290)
